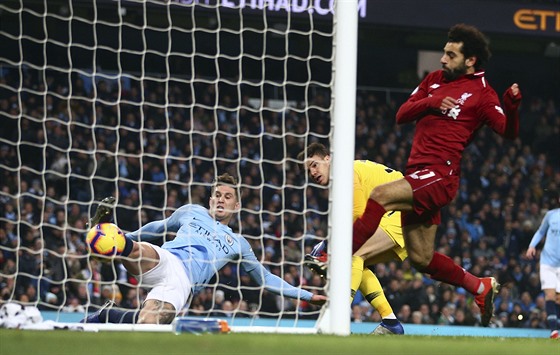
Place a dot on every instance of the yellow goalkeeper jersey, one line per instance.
(368, 175)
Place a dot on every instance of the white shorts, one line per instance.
(550, 277)
(168, 280)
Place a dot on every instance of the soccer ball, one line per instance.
(105, 239)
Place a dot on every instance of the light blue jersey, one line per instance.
(550, 227)
(205, 245)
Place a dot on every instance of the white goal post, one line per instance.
(344, 101)
(149, 100)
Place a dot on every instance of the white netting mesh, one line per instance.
(148, 101)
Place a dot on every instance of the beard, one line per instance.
(452, 74)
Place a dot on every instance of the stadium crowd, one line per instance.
(158, 154)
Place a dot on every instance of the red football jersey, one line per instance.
(441, 136)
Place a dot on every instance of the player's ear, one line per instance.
(470, 62)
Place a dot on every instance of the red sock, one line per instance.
(367, 224)
(442, 268)
(471, 283)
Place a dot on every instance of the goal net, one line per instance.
(148, 101)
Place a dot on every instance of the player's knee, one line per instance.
(419, 261)
(376, 194)
(156, 317)
(382, 195)
(156, 312)
(379, 195)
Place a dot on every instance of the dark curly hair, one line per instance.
(475, 43)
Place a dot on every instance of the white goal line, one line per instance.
(169, 328)
(163, 328)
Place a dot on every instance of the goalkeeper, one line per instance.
(203, 245)
(385, 244)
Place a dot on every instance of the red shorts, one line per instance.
(432, 189)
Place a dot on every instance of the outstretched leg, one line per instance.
(419, 240)
(108, 314)
(393, 196)
(378, 247)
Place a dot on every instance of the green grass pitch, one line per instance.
(82, 343)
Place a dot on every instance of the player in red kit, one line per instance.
(448, 106)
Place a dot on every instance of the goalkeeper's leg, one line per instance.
(357, 275)
(373, 292)
(378, 248)
(366, 281)
(375, 250)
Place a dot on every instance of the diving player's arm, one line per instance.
(271, 282)
(156, 229)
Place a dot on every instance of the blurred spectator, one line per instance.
(416, 317)
(405, 314)
(446, 316)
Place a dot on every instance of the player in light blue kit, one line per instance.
(203, 245)
(549, 265)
